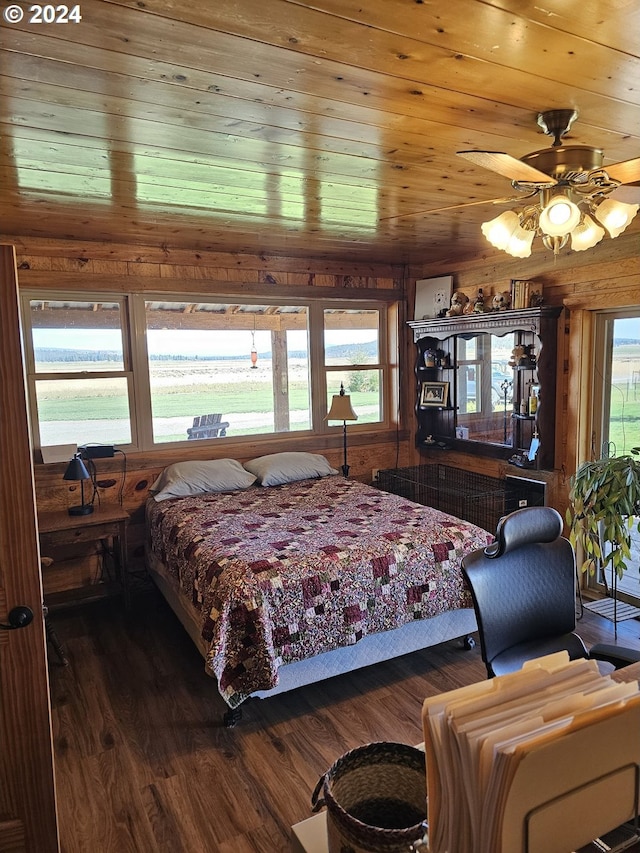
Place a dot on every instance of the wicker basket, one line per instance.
(376, 800)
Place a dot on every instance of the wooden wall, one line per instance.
(607, 276)
(604, 277)
(105, 267)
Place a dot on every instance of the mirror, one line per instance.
(485, 389)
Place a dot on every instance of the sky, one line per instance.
(628, 328)
(189, 343)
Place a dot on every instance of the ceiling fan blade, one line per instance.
(457, 206)
(448, 207)
(507, 166)
(627, 193)
(626, 171)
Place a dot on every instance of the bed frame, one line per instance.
(374, 648)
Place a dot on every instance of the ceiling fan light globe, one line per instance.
(559, 217)
(615, 215)
(586, 234)
(498, 231)
(520, 242)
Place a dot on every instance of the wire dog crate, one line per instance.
(473, 497)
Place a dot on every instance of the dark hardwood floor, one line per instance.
(144, 763)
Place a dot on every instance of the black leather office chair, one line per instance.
(524, 594)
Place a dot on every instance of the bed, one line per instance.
(283, 583)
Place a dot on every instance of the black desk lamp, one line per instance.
(341, 411)
(77, 470)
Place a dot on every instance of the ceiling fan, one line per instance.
(570, 183)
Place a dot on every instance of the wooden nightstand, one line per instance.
(107, 522)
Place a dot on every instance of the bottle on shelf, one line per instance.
(478, 304)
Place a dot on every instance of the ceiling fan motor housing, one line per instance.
(556, 123)
(567, 161)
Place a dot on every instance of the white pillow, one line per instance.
(197, 477)
(278, 468)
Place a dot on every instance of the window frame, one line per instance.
(383, 365)
(135, 355)
(600, 364)
(33, 376)
(602, 359)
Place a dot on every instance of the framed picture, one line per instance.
(434, 394)
(432, 296)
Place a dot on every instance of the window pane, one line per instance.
(363, 386)
(351, 341)
(76, 337)
(247, 363)
(78, 411)
(351, 336)
(621, 430)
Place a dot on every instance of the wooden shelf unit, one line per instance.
(498, 433)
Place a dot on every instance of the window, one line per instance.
(144, 371)
(616, 411)
(248, 363)
(352, 357)
(80, 381)
(617, 368)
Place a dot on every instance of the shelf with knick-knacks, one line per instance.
(486, 384)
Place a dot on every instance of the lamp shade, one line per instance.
(519, 244)
(341, 408)
(498, 231)
(615, 215)
(586, 234)
(76, 470)
(559, 217)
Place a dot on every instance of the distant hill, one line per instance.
(623, 342)
(345, 352)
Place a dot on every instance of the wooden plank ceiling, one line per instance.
(291, 127)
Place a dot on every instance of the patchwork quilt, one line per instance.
(284, 573)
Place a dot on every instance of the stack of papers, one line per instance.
(513, 763)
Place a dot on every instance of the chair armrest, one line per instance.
(619, 656)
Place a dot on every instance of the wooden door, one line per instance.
(27, 793)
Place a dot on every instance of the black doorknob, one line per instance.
(19, 617)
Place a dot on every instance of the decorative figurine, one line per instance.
(517, 353)
(430, 357)
(523, 355)
(501, 301)
(458, 301)
(478, 303)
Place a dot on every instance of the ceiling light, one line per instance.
(615, 215)
(586, 234)
(559, 217)
(498, 231)
(556, 218)
(519, 245)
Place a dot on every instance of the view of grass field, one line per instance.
(96, 411)
(624, 413)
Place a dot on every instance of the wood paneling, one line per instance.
(299, 129)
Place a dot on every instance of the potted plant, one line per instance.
(605, 505)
